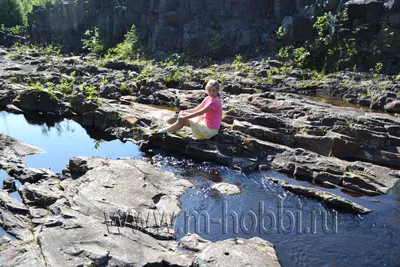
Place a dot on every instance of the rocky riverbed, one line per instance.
(270, 122)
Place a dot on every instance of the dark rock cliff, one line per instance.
(200, 27)
(195, 27)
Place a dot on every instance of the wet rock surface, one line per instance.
(267, 123)
(264, 123)
(97, 218)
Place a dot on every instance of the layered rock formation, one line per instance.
(194, 27)
(201, 27)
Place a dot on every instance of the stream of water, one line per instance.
(296, 225)
(300, 236)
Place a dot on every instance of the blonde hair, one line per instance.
(212, 83)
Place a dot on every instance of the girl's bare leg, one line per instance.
(177, 126)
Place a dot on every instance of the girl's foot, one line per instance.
(161, 131)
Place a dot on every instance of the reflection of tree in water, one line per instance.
(37, 119)
(62, 127)
(97, 143)
(45, 123)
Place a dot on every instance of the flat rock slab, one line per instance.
(238, 252)
(21, 148)
(77, 227)
(13, 150)
(331, 200)
(128, 191)
(84, 240)
(365, 178)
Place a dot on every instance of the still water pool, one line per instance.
(61, 140)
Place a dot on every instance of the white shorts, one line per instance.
(200, 129)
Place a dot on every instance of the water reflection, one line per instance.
(373, 237)
(61, 140)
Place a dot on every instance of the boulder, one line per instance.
(233, 89)
(6, 96)
(360, 9)
(393, 106)
(121, 65)
(9, 184)
(104, 117)
(41, 195)
(11, 204)
(12, 152)
(238, 252)
(8, 40)
(80, 165)
(107, 89)
(31, 100)
(226, 189)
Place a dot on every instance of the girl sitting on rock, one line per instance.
(205, 120)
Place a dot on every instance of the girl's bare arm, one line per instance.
(195, 114)
(191, 111)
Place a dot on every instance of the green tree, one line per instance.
(129, 48)
(10, 13)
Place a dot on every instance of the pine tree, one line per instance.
(10, 13)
